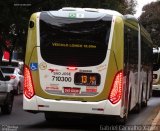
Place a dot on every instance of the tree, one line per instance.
(130, 8)
(123, 6)
(151, 21)
(13, 23)
(15, 16)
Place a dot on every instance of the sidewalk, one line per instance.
(156, 123)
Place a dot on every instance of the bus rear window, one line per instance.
(74, 42)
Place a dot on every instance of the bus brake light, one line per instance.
(28, 84)
(116, 89)
(71, 68)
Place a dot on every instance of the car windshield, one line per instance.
(8, 70)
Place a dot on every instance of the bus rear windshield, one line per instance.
(74, 42)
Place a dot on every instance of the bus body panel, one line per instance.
(115, 63)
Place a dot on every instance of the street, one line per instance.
(21, 120)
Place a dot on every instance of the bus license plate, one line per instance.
(71, 90)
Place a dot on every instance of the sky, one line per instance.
(140, 4)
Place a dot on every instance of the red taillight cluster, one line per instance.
(116, 90)
(12, 76)
(28, 84)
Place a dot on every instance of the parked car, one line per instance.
(16, 78)
(6, 94)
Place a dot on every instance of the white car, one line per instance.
(6, 94)
(16, 78)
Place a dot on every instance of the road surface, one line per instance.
(21, 120)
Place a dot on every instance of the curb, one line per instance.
(154, 124)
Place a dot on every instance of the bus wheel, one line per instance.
(144, 104)
(137, 108)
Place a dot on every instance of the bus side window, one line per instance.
(126, 46)
(146, 51)
(131, 48)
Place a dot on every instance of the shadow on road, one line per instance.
(67, 124)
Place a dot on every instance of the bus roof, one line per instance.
(103, 11)
(83, 12)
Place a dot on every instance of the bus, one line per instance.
(156, 71)
(86, 61)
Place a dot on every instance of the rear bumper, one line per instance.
(105, 107)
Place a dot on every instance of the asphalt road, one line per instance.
(21, 120)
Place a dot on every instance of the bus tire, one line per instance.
(137, 108)
(145, 104)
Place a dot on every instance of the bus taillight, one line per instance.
(116, 90)
(28, 84)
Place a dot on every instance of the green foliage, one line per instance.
(123, 6)
(151, 21)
